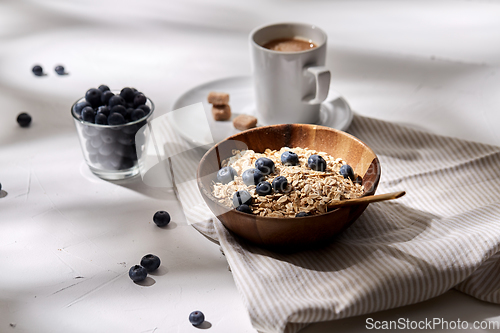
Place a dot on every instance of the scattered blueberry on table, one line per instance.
(289, 158)
(316, 163)
(242, 198)
(137, 273)
(196, 318)
(347, 172)
(265, 165)
(24, 119)
(226, 174)
(263, 188)
(150, 262)
(252, 176)
(60, 70)
(37, 70)
(280, 184)
(161, 218)
(244, 209)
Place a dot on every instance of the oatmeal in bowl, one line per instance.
(272, 185)
(310, 180)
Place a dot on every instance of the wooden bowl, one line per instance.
(290, 233)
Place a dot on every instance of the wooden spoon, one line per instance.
(367, 199)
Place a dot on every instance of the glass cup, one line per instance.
(110, 150)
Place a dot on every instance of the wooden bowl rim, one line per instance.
(209, 195)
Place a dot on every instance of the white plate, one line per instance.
(334, 112)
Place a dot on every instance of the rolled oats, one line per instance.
(308, 190)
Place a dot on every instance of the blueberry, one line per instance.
(161, 218)
(126, 163)
(90, 146)
(265, 165)
(137, 114)
(242, 198)
(90, 131)
(137, 273)
(226, 174)
(146, 108)
(280, 184)
(263, 188)
(24, 119)
(150, 262)
(107, 149)
(196, 318)
(316, 162)
(88, 114)
(120, 109)
(103, 88)
(289, 158)
(60, 70)
(116, 119)
(96, 142)
(93, 96)
(347, 172)
(104, 110)
(106, 96)
(101, 119)
(244, 209)
(127, 151)
(302, 214)
(128, 114)
(126, 139)
(127, 94)
(131, 129)
(252, 176)
(139, 99)
(79, 107)
(115, 100)
(37, 70)
(108, 136)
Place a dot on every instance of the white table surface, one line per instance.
(67, 238)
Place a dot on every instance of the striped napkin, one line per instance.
(445, 233)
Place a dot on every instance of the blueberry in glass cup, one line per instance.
(107, 123)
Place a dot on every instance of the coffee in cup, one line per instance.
(290, 44)
(290, 80)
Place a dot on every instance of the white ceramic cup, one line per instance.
(289, 86)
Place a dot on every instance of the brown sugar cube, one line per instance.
(244, 122)
(218, 98)
(221, 112)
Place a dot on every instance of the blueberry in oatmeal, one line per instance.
(265, 165)
(252, 176)
(244, 209)
(347, 172)
(226, 174)
(263, 188)
(302, 214)
(242, 198)
(289, 158)
(280, 184)
(316, 163)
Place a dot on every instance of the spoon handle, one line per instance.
(367, 199)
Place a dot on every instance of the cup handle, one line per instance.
(322, 77)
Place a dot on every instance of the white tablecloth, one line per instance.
(67, 238)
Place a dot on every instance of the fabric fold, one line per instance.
(444, 233)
